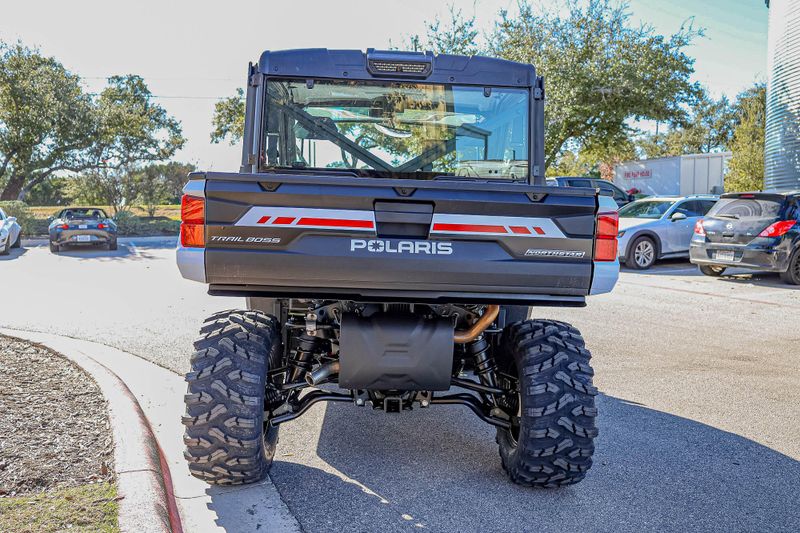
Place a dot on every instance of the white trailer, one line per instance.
(679, 175)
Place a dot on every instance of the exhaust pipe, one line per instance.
(321, 374)
(462, 336)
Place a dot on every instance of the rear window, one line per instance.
(746, 208)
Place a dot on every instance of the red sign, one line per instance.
(633, 174)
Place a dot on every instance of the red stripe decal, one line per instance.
(263, 220)
(469, 228)
(521, 230)
(538, 230)
(335, 222)
(284, 220)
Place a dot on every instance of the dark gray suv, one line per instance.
(606, 187)
(758, 230)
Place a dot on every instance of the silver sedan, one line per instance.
(10, 233)
(659, 227)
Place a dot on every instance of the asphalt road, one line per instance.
(699, 416)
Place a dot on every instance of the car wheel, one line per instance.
(712, 270)
(4, 250)
(54, 248)
(792, 274)
(18, 241)
(642, 254)
(112, 245)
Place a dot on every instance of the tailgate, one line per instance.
(375, 239)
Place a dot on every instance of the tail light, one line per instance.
(778, 229)
(605, 246)
(101, 226)
(64, 226)
(699, 229)
(193, 219)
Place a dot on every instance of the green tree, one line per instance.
(708, 127)
(160, 183)
(600, 71)
(104, 186)
(228, 120)
(49, 125)
(46, 120)
(746, 167)
(456, 36)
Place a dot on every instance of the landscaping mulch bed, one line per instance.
(54, 429)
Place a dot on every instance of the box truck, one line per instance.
(679, 175)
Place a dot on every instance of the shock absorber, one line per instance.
(484, 363)
(303, 358)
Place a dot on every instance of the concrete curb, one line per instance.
(147, 502)
(159, 392)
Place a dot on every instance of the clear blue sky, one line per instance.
(193, 52)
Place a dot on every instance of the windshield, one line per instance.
(745, 208)
(82, 213)
(646, 209)
(388, 129)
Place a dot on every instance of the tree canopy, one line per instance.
(228, 120)
(746, 167)
(49, 124)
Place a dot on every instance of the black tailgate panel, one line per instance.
(306, 236)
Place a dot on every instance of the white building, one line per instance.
(782, 143)
(678, 175)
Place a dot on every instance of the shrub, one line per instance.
(130, 224)
(25, 218)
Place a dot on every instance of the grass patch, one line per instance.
(91, 507)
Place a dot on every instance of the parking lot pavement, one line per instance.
(698, 416)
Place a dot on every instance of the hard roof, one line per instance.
(354, 64)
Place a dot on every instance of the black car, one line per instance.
(758, 230)
(606, 187)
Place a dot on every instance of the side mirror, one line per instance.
(676, 216)
(631, 198)
(12, 219)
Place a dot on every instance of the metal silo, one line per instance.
(782, 143)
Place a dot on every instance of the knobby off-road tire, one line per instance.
(552, 445)
(226, 440)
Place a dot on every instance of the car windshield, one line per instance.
(646, 209)
(83, 213)
(389, 129)
(746, 208)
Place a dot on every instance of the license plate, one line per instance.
(724, 255)
(82, 226)
(83, 238)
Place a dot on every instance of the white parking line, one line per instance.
(132, 247)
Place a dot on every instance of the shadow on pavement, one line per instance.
(128, 250)
(684, 269)
(439, 469)
(13, 254)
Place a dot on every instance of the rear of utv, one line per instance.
(391, 231)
